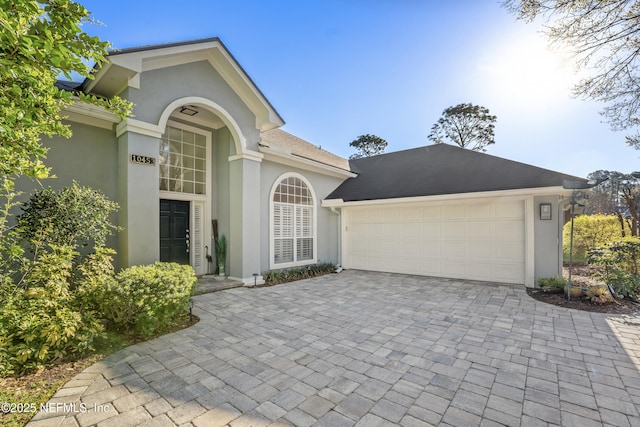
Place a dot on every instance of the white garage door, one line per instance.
(479, 240)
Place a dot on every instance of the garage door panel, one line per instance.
(509, 209)
(453, 212)
(509, 272)
(431, 213)
(453, 230)
(411, 214)
(431, 267)
(410, 230)
(509, 230)
(431, 249)
(389, 231)
(509, 251)
(453, 250)
(479, 230)
(480, 211)
(483, 241)
(480, 250)
(412, 248)
(453, 269)
(477, 270)
(431, 231)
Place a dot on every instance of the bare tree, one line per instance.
(604, 37)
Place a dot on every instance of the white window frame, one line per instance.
(314, 208)
(198, 201)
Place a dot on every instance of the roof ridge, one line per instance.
(162, 45)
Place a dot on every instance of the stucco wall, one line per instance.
(88, 157)
(328, 222)
(548, 240)
(220, 202)
(158, 88)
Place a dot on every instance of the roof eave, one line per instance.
(128, 64)
(517, 193)
(289, 159)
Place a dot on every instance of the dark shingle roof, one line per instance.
(437, 170)
(68, 86)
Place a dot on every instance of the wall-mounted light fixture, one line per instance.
(188, 110)
(545, 211)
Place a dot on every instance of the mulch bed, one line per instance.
(621, 306)
(582, 275)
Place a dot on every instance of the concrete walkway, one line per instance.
(368, 349)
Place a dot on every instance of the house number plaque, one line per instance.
(142, 160)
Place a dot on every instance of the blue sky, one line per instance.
(336, 69)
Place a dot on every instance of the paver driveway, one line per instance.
(369, 349)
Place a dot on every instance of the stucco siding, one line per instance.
(158, 88)
(548, 244)
(89, 157)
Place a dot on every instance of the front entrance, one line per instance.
(174, 231)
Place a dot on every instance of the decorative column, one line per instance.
(138, 196)
(244, 227)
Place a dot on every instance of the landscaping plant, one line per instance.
(552, 282)
(274, 277)
(619, 263)
(589, 232)
(146, 298)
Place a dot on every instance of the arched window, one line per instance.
(293, 222)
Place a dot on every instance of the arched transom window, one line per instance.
(293, 218)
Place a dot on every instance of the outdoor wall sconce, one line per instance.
(545, 211)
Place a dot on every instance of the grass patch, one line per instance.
(36, 388)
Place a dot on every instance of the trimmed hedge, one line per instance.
(274, 277)
(148, 297)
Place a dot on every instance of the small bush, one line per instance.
(147, 298)
(553, 282)
(599, 294)
(620, 265)
(273, 277)
(40, 322)
(74, 216)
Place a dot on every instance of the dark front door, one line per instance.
(174, 231)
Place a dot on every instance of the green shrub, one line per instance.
(75, 216)
(619, 263)
(40, 321)
(274, 277)
(589, 232)
(553, 282)
(93, 281)
(146, 298)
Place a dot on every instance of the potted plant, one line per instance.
(221, 253)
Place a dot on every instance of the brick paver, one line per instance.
(368, 349)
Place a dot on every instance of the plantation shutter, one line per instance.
(293, 223)
(196, 234)
(283, 232)
(304, 233)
